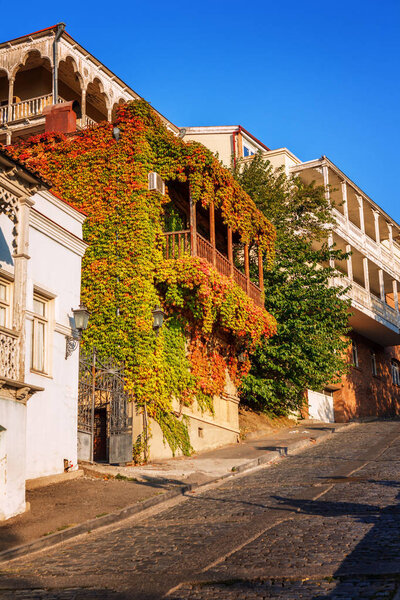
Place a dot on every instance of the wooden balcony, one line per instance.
(180, 243)
(34, 108)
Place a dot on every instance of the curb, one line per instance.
(163, 498)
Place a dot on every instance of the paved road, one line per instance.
(322, 524)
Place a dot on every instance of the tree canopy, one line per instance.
(309, 348)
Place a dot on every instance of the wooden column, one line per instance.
(212, 233)
(325, 173)
(395, 295)
(193, 226)
(376, 224)
(361, 213)
(83, 107)
(230, 250)
(10, 99)
(246, 267)
(381, 285)
(366, 273)
(349, 263)
(344, 200)
(260, 270)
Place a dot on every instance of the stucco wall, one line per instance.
(220, 143)
(12, 452)
(52, 414)
(206, 430)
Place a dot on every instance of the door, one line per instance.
(100, 434)
(320, 407)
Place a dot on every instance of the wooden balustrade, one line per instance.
(178, 243)
(26, 108)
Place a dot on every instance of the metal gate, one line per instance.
(104, 421)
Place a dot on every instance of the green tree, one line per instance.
(308, 350)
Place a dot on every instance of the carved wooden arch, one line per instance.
(22, 63)
(69, 56)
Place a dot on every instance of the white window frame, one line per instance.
(374, 365)
(249, 150)
(395, 372)
(354, 353)
(40, 321)
(6, 304)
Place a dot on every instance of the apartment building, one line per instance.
(372, 272)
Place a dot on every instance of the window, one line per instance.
(395, 373)
(354, 353)
(247, 151)
(39, 333)
(5, 290)
(373, 364)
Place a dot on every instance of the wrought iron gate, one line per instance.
(104, 421)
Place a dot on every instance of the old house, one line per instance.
(41, 249)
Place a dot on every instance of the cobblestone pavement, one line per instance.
(322, 524)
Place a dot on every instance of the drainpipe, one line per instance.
(59, 30)
(234, 134)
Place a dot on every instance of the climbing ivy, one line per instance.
(211, 320)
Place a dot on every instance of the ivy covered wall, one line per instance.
(210, 319)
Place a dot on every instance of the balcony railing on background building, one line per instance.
(366, 299)
(178, 244)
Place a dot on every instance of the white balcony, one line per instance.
(371, 316)
(366, 245)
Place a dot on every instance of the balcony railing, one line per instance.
(25, 109)
(33, 108)
(362, 242)
(362, 297)
(178, 244)
(8, 354)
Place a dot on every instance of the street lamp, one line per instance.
(81, 320)
(158, 318)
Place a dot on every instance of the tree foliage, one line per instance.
(312, 316)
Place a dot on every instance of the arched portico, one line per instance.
(97, 102)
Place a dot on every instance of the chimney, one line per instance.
(60, 118)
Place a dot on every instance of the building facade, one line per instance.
(41, 249)
(372, 274)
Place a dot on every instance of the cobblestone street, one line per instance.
(322, 524)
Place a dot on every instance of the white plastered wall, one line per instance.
(53, 271)
(12, 452)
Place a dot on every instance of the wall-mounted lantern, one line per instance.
(81, 320)
(116, 132)
(242, 357)
(158, 318)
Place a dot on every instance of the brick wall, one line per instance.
(362, 394)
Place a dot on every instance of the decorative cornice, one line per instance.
(61, 205)
(56, 232)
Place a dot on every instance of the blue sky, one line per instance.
(318, 78)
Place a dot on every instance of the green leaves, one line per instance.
(308, 350)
